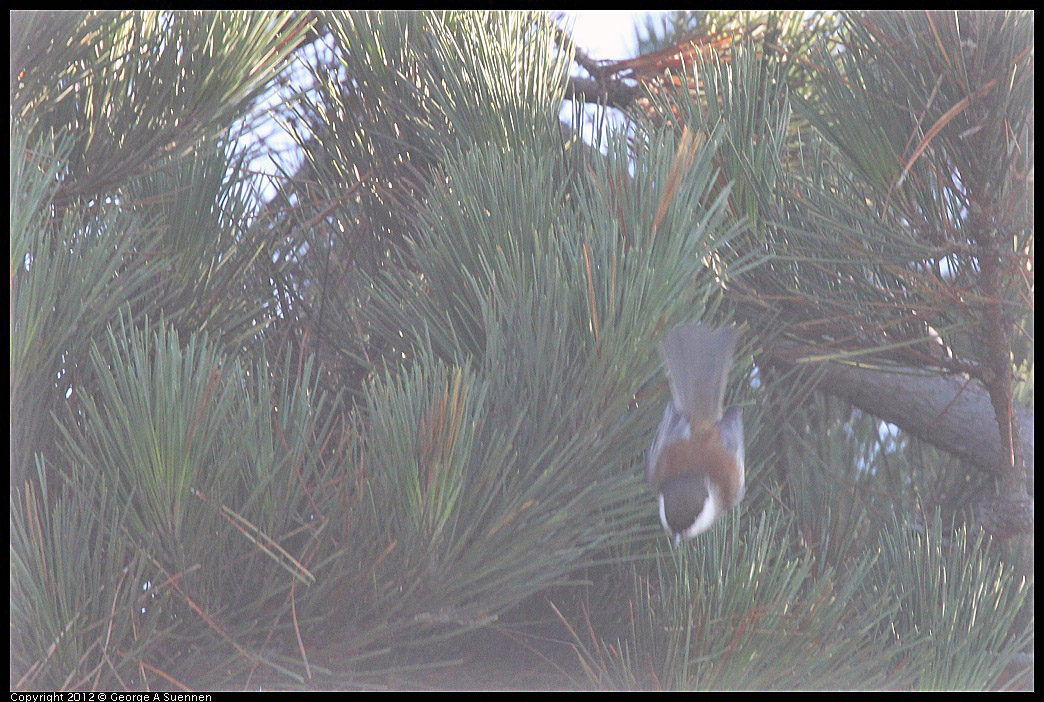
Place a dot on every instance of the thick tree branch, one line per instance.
(612, 92)
(602, 87)
(948, 412)
(1008, 512)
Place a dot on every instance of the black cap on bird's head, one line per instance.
(689, 504)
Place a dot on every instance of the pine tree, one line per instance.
(382, 420)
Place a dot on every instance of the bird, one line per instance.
(695, 463)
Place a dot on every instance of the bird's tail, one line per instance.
(698, 361)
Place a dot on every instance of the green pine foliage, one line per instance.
(388, 427)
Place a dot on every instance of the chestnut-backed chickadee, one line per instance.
(696, 461)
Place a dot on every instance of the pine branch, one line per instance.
(604, 90)
(938, 409)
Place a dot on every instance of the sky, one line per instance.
(605, 34)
